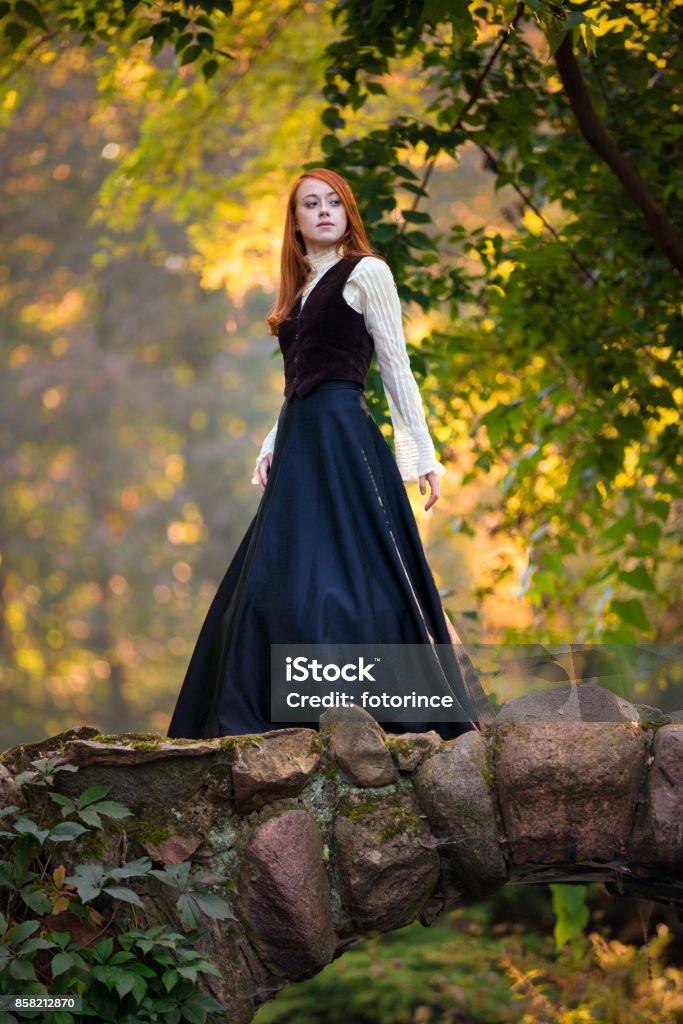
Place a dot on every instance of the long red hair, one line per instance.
(294, 265)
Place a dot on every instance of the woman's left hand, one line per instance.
(433, 480)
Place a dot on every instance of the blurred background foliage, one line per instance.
(497, 963)
(146, 154)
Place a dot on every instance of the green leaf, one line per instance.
(209, 69)
(120, 892)
(31, 945)
(60, 963)
(555, 37)
(419, 240)
(139, 866)
(648, 533)
(331, 118)
(15, 32)
(571, 914)
(27, 12)
(183, 40)
(22, 970)
(91, 794)
(618, 530)
(657, 507)
(88, 881)
(188, 910)
(64, 801)
(214, 906)
(638, 578)
(35, 898)
(124, 984)
(190, 54)
(574, 18)
(169, 979)
(21, 931)
(383, 233)
(5, 8)
(416, 217)
(113, 809)
(65, 831)
(90, 817)
(632, 612)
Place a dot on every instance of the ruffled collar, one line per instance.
(323, 260)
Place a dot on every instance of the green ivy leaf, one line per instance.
(113, 809)
(214, 906)
(65, 831)
(35, 898)
(20, 932)
(60, 963)
(121, 892)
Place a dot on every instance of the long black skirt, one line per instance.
(333, 555)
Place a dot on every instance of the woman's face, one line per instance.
(319, 214)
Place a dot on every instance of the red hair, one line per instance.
(294, 265)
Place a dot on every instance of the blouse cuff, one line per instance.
(413, 450)
(267, 448)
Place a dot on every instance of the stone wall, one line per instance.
(330, 834)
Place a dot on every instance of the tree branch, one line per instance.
(472, 98)
(662, 230)
(532, 206)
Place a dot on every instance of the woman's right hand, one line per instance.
(263, 469)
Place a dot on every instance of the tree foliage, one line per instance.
(568, 360)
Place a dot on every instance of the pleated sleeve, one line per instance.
(372, 291)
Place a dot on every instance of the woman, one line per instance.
(333, 554)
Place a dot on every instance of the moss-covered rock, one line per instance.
(273, 766)
(452, 790)
(385, 859)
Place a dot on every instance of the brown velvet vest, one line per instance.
(327, 340)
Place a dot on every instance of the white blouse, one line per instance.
(370, 289)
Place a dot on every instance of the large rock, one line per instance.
(385, 860)
(660, 841)
(410, 749)
(575, 702)
(567, 792)
(284, 895)
(132, 751)
(270, 767)
(358, 747)
(454, 790)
